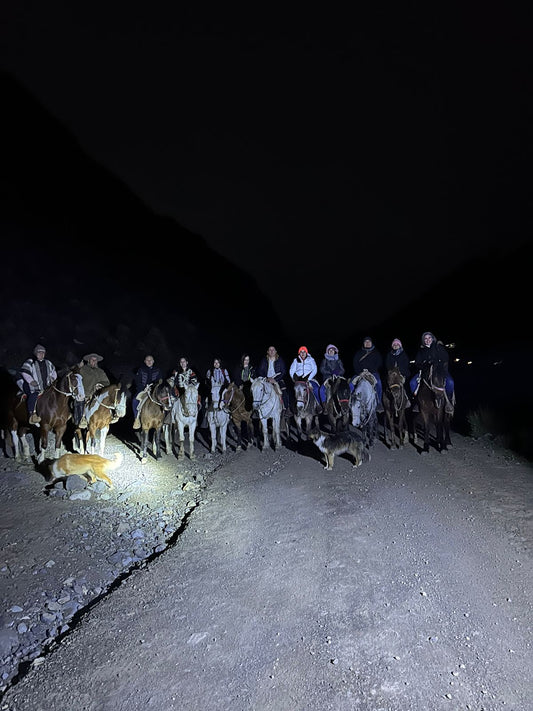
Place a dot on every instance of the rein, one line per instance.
(70, 393)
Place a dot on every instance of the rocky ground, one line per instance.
(65, 546)
(258, 581)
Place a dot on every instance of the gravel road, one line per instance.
(260, 581)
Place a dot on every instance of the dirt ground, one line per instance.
(260, 581)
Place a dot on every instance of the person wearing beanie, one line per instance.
(432, 352)
(36, 374)
(331, 366)
(304, 367)
(398, 357)
(369, 358)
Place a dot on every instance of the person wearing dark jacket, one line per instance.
(397, 357)
(243, 379)
(146, 374)
(433, 352)
(331, 366)
(369, 358)
(273, 367)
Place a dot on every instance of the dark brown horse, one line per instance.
(431, 397)
(152, 416)
(395, 403)
(53, 409)
(106, 407)
(337, 407)
(14, 418)
(240, 412)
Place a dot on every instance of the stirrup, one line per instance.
(34, 419)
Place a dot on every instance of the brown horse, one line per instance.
(53, 409)
(395, 403)
(152, 416)
(431, 397)
(106, 407)
(14, 418)
(337, 407)
(240, 412)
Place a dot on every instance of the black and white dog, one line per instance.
(340, 443)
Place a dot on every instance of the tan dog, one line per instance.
(92, 465)
(340, 443)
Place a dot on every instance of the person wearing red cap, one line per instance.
(304, 367)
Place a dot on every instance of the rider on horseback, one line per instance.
(433, 352)
(331, 367)
(94, 378)
(398, 358)
(304, 367)
(183, 377)
(36, 374)
(369, 358)
(273, 367)
(146, 375)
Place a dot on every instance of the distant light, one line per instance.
(411, 361)
(450, 345)
(469, 362)
(457, 360)
(498, 362)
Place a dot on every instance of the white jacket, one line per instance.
(303, 368)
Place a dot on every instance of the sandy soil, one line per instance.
(264, 582)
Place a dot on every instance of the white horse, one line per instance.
(363, 406)
(268, 404)
(189, 421)
(218, 419)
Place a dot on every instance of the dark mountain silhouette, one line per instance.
(88, 260)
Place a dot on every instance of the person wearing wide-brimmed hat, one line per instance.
(330, 367)
(37, 373)
(93, 378)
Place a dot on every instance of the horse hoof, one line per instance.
(144, 460)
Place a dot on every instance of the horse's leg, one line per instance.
(157, 442)
(181, 438)
(213, 431)
(103, 437)
(43, 443)
(16, 443)
(223, 435)
(192, 430)
(144, 445)
(59, 431)
(276, 427)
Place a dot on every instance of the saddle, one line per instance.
(365, 375)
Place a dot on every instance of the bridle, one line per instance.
(72, 390)
(260, 404)
(162, 400)
(437, 390)
(305, 384)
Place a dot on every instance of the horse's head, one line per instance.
(394, 378)
(363, 402)
(302, 393)
(340, 391)
(71, 383)
(217, 391)
(162, 394)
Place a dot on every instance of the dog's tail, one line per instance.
(116, 461)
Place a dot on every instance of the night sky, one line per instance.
(347, 162)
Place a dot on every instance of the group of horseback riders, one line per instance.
(38, 372)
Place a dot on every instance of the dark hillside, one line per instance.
(88, 260)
